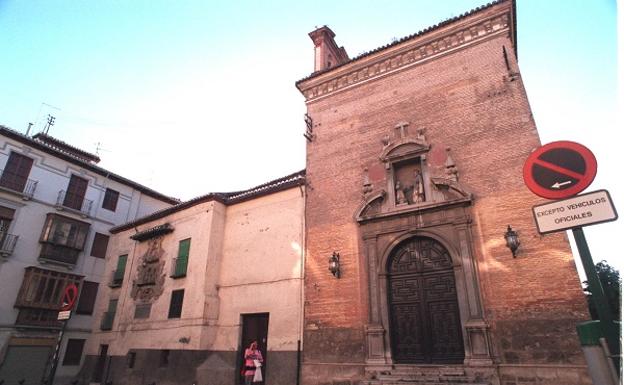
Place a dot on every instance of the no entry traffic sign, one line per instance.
(69, 297)
(560, 170)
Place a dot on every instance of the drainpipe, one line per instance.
(302, 281)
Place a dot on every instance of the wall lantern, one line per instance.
(334, 264)
(511, 237)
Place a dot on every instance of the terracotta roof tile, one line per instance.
(417, 34)
(73, 158)
(228, 198)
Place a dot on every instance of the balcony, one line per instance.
(107, 320)
(78, 203)
(117, 278)
(44, 318)
(17, 184)
(7, 243)
(58, 254)
(178, 268)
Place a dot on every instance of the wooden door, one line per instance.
(425, 325)
(255, 328)
(16, 171)
(74, 196)
(100, 365)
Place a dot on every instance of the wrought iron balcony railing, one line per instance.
(7, 243)
(17, 183)
(75, 202)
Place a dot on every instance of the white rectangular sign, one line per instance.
(581, 210)
(63, 315)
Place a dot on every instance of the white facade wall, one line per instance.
(157, 331)
(262, 267)
(52, 175)
(244, 258)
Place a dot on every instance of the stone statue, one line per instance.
(418, 193)
(399, 194)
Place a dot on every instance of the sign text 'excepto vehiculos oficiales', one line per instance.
(581, 210)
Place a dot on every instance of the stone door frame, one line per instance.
(379, 239)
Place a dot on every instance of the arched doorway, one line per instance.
(425, 325)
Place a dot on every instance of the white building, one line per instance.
(56, 209)
(196, 283)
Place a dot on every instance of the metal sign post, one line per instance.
(67, 303)
(57, 351)
(560, 170)
(609, 328)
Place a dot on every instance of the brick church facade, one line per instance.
(414, 173)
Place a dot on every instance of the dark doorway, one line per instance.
(26, 364)
(98, 371)
(424, 317)
(255, 328)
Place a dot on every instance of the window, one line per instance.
(142, 311)
(118, 274)
(180, 263)
(110, 200)
(44, 288)
(64, 231)
(7, 241)
(109, 316)
(76, 190)
(15, 173)
(88, 293)
(40, 295)
(175, 306)
(63, 238)
(73, 352)
(100, 244)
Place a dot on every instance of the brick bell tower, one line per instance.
(414, 171)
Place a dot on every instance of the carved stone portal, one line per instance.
(149, 282)
(425, 303)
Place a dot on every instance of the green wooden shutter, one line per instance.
(183, 254)
(121, 268)
(112, 305)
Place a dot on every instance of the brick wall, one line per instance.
(466, 101)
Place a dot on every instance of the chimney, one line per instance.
(326, 52)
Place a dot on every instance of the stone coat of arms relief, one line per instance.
(150, 278)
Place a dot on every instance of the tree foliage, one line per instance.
(612, 286)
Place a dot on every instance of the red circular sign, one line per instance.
(69, 297)
(560, 170)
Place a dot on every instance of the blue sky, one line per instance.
(210, 84)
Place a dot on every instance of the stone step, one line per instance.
(433, 370)
(402, 382)
(426, 378)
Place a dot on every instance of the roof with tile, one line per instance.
(228, 198)
(53, 148)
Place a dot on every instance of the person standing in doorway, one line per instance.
(252, 357)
